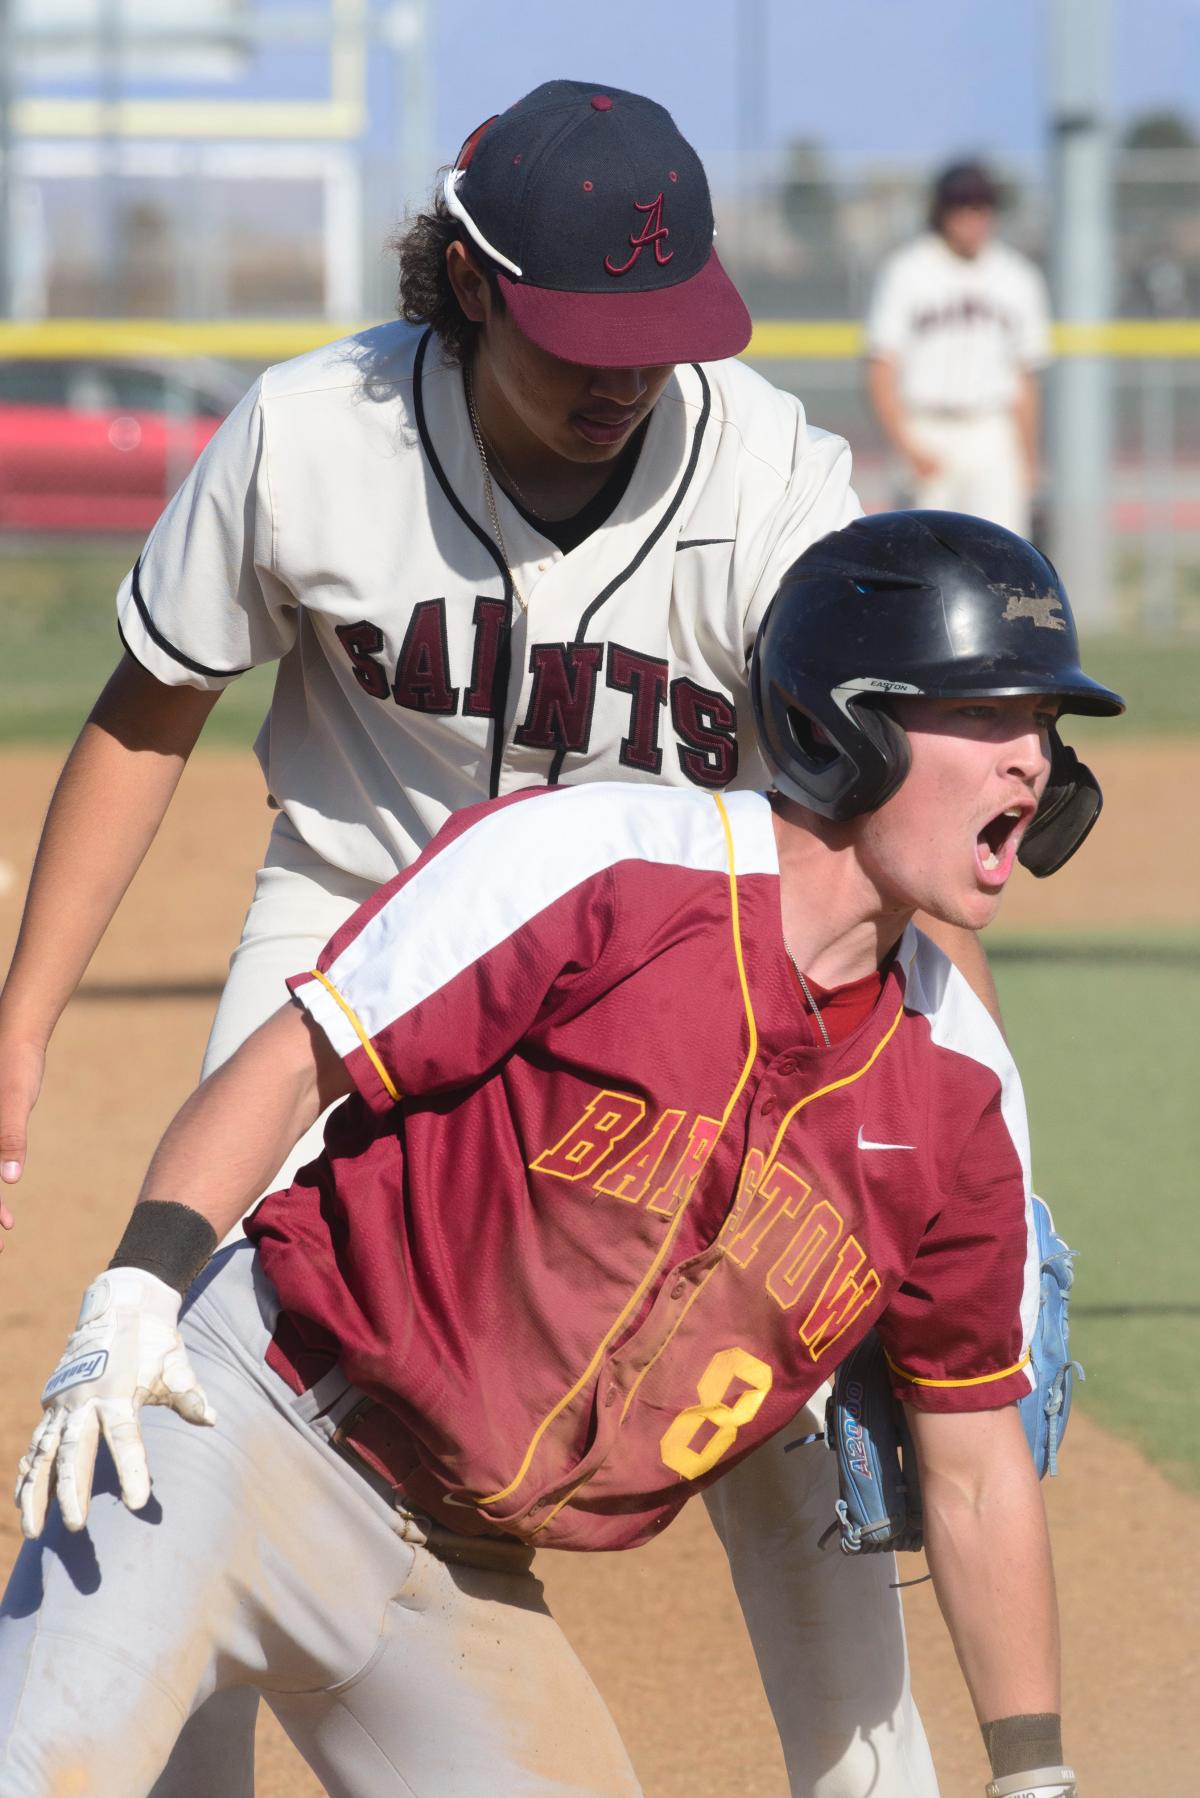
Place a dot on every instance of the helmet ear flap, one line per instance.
(890, 740)
(848, 761)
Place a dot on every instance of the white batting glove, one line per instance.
(125, 1352)
(1039, 1782)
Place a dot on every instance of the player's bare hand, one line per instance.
(125, 1352)
(22, 1064)
(923, 463)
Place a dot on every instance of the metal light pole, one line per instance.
(110, 31)
(750, 20)
(1081, 432)
(8, 84)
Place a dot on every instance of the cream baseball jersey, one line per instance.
(338, 522)
(602, 1213)
(959, 329)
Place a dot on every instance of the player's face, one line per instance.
(967, 228)
(947, 840)
(534, 405)
(580, 414)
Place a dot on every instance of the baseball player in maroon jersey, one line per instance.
(657, 1102)
(525, 535)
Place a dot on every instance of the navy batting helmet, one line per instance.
(904, 603)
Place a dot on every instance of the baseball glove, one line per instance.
(880, 1504)
(1045, 1410)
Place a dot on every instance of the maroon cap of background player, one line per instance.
(596, 216)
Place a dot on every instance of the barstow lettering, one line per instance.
(566, 678)
(818, 1244)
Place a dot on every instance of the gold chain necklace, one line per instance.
(489, 492)
(807, 991)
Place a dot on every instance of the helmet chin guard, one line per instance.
(903, 604)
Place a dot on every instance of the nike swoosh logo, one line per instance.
(864, 1144)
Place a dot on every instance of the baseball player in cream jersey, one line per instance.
(524, 537)
(957, 332)
(555, 1270)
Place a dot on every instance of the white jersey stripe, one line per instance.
(518, 868)
(959, 1021)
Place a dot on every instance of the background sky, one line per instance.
(870, 79)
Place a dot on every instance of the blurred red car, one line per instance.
(101, 445)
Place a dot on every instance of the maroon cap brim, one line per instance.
(701, 320)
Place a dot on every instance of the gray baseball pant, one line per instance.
(265, 1565)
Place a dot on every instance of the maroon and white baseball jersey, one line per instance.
(603, 1213)
(338, 523)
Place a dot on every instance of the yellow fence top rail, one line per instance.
(274, 340)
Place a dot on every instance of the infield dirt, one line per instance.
(659, 1628)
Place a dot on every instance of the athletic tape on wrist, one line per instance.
(166, 1239)
(1033, 1739)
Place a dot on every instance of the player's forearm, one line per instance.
(884, 390)
(109, 802)
(227, 1141)
(1027, 414)
(989, 1554)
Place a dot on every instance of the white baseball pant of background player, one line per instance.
(981, 467)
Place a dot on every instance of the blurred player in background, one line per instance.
(957, 331)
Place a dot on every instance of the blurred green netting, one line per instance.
(58, 644)
(1104, 1032)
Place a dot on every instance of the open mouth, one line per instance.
(996, 844)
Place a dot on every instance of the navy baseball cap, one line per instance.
(964, 184)
(596, 215)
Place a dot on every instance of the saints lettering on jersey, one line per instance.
(565, 678)
(338, 525)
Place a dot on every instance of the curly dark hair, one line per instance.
(426, 296)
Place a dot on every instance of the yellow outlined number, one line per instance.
(726, 1366)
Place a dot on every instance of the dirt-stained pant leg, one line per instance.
(215, 1749)
(827, 1628)
(474, 1690)
(298, 904)
(263, 1561)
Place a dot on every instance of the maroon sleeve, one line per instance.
(439, 975)
(956, 1331)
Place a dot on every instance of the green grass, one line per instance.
(59, 644)
(1104, 1033)
(1157, 680)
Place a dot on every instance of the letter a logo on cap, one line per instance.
(652, 232)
